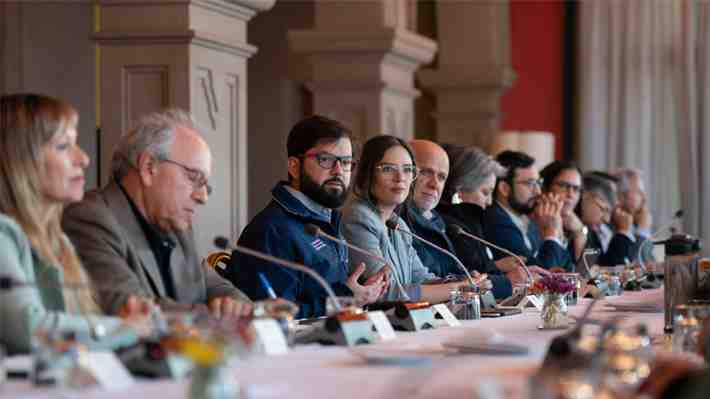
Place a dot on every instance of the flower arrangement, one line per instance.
(553, 284)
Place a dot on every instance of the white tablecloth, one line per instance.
(336, 372)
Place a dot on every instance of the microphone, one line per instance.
(393, 225)
(223, 243)
(318, 232)
(676, 216)
(589, 252)
(458, 230)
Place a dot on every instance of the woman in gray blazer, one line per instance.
(41, 170)
(384, 176)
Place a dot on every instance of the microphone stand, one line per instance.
(344, 327)
(391, 224)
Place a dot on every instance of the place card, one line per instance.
(382, 325)
(270, 336)
(446, 314)
(102, 369)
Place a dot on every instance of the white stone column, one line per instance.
(362, 63)
(474, 69)
(191, 54)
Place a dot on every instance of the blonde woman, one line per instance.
(42, 170)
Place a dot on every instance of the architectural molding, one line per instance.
(463, 78)
(189, 36)
(406, 45)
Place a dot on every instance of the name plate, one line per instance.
(271, 337)
(102, 369)
(382, 325)
(534, 300)
(446, 314)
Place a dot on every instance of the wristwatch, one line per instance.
(583, 231)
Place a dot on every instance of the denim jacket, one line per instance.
(279, 230)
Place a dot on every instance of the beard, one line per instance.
(329, 197)
(524, 208)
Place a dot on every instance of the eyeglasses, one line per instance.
(530, 183)
(603, 207)
(432, 174)
(327, 161)
(569, 187)
(409, 171)
(196, 177)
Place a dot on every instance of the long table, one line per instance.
(314, 371)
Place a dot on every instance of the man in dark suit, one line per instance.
(523, 220)
(134, 235)
(610, 226)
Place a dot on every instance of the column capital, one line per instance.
(466, 77)
(406, 45)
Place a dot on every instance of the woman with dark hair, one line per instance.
(565, 179)
(384, 177)
(41, 171)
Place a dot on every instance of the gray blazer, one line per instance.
(363, 227)
(118, 257)
(41, 304)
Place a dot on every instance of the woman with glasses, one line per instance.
(42, 170)
(565, 179)
(610, 227)
(384, 177)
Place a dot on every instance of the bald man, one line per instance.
(433, 164)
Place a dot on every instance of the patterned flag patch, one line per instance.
(317, 244)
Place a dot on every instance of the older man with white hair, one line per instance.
(134, 235)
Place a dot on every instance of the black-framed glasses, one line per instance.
(568, 187)
(530, 183)
(432, 174)
(196, 177)
(327, 161)
(390, 170)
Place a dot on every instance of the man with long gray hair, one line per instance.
(135, 236)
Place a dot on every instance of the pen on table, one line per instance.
(267, 286)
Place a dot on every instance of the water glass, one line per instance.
(572, 297)
(3, 370)
(615, 287)
(686, 329)
(466, 304)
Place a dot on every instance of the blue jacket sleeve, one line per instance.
(288, 284)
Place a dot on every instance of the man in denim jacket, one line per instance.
(320, 161)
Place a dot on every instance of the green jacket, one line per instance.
(40, 304)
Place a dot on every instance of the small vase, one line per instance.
(213, 382)
(554, 311)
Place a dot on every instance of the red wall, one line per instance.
(535, 100)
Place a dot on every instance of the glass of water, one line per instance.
(3, 370)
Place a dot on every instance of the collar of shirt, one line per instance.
(309, 203)
(521, 222)
(155, 238)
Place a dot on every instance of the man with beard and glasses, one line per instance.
(320, 162)
(522, 219)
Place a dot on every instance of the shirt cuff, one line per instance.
(555, 239)
(643, 233)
